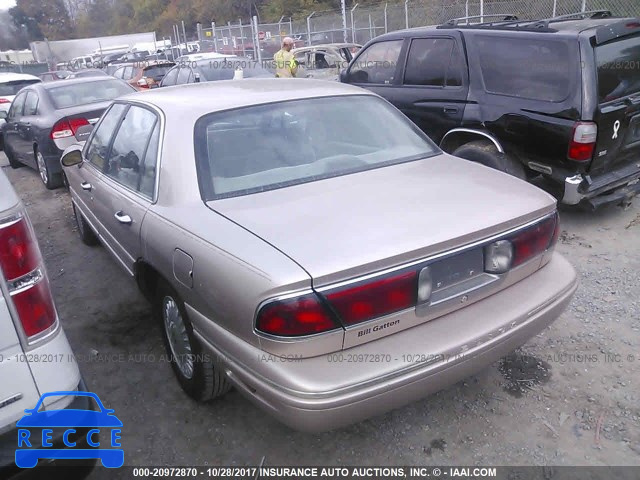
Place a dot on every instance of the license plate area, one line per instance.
(458, 275)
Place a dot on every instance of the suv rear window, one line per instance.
(618, 68)
(537, 69)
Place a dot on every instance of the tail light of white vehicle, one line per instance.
(4, 100)
(67, 127)
(583, 142)
(369, 299)
(23, 270)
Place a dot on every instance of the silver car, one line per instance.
(307, 244)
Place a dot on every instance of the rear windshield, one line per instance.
(90, 92)
(12, 88)
(271, 146)
(618, 68)
(537, 69)
(157, 72)
(224, 69)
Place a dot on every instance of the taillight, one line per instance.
(35, 308)
(4, 100)
(304, 315)
(67, 128)
(583, 142)
(534, 240)
(21, 266)
(374, 299)
(19, 252)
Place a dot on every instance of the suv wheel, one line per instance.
(198, 375)
(84, 229)
(487, 154)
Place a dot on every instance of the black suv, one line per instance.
(557, 97)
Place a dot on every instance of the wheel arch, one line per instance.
(147, 278)
(460, 136)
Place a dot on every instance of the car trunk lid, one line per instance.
(353, 225)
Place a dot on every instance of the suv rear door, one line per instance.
(434, 86)
(618, 111)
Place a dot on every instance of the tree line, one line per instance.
(32, 20)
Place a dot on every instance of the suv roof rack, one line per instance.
(506, 17)
(591, 14)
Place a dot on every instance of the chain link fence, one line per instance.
(362, 23)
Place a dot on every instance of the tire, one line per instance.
(198, 375)
(12, 159)
(85, 231)
(50, 180)
(485, 153)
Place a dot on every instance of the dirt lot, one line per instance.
(571, 396)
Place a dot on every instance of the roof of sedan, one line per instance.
(73, 81)
(201, 98)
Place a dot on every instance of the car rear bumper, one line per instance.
(9, 440)
(326, 392)
(612, 187)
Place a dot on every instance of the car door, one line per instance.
(434, 85)
(377, 67)
(27, 129)
(125, 194)
(11, 132)
(85, 180)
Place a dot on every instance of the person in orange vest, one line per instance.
(286, 65)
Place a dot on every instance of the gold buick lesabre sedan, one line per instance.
(305, 243)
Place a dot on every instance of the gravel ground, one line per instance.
(570, 396)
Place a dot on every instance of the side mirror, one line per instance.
(82, 133)
(344, 76)
(71, 157)
(3, 115)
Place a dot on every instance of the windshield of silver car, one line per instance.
(264, 147)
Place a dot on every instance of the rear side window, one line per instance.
(31, 104)
(432, 62)
(537, 69)
(157, 72)
(618, 68)
(377, 64)
(184, 75)
(170, 78)
(17, 106)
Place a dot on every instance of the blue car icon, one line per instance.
(37, 431)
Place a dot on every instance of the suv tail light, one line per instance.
(67, 128)
(22, 268)
(4, 100)
(375, 299)
(583, 142)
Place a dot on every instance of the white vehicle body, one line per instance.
(29, 366)
(7, 83)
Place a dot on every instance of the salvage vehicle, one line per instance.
(295, 235)
(144, 75)
(324, 61)
(214, 69)
(557, 98)
(35, 355)
(45, 118)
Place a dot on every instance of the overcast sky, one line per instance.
(7, 4)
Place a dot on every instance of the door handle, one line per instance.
(122, 218)
(86, 186)
(450, 110)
